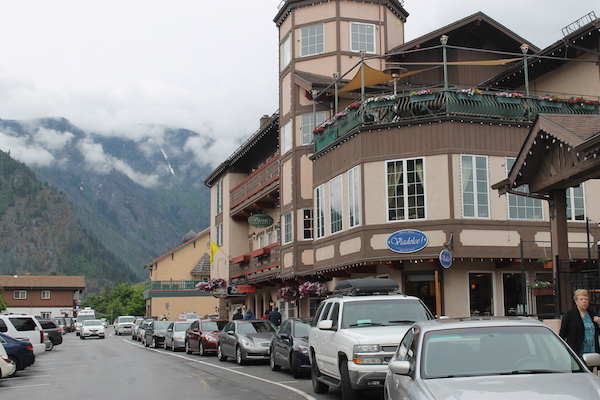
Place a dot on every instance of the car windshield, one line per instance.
(212, 326)
(255, 327)
(181, 326)
(126, 319)
(82, 318)
(495, 351)
(94, 322)
(358, 314)
(161, 324)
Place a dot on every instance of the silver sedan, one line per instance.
(488, 358)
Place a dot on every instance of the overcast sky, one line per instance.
(208, 66)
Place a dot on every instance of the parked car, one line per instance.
(53, 331)
(289, 346)
(155, 333)
(201, 336)
(92, 328)
(245, 339)
(22, 326)
(488, 358)
(136, 324)
(7, 368)
(20, 352)
(141, 331)
(61, 323)
(123, 324)
(175, 336)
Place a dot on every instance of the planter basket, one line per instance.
(543, 291)
(554, 104)
(465, 96)
(580, 106)
(377, 104)
(508, 100)
(422, 97)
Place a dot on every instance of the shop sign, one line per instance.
(445, 258)
(407, 241)
(240, 290)
(260, 220)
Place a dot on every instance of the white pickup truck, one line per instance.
(356, 332)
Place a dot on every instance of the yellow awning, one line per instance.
(375, 77)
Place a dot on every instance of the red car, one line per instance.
(201, 336)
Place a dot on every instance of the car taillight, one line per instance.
(41, 336)
(5, 359)
(29, 347)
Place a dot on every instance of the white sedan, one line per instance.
(92, 328)
(7, 367)
(492, 358)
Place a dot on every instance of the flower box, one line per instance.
(422, 97)
(582, 106)
(465, 96)
(543, 291)
(508, 100)
(377, 104)
(546, 103)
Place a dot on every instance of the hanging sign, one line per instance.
(407, 241)
(446, 258)
(260, 220)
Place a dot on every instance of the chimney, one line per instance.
(264, 119)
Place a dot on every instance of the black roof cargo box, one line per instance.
(363, 286)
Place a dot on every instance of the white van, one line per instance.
(83, 315)
(21, 326)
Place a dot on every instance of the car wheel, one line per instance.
(14, 362)
(49, 345)
(187, 348)
(318, 386)
(201, 348)
(348, 393)
(81, 337)
(272, 363)
(154, 343)
(166, 345)
(220, 355)
(294, 368)
(239, 356)
(145, 342)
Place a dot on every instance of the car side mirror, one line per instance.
(231, 333)
(284, 336)
(195, 330)
(399, 367)
(591, 359)
(325, 324)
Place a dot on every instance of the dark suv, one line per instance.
(53, 331)
(155, 333)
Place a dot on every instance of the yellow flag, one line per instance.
(213, 250)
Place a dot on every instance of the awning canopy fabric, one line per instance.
(375, 77)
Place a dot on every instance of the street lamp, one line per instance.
(444, 41)
(524, 49)
(362, 54)
(395, 71)
(336, 76)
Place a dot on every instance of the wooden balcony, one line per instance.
(259, 191)
(256, 266)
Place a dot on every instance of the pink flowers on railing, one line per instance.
(513, 95)
(209, 286)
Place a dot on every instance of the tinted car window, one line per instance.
(48, 325)
(23, 324)
(3, 327)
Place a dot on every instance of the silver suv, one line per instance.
(124, 324)
(356, 332)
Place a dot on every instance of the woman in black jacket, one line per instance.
(579, 326)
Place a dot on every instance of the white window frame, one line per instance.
(336, 206)
(45, 295)
(285, 52)
(406, 198)
(219, 234)
(362, 43)
(287, 224)
(521, 207)
(219, 197)
(481, 187)
(319, 215)
(287, 139)
(20, 294)
(307, 125)
(261, 241)
(572, 194)
(307, 223)
(306, 37)
(353, 197)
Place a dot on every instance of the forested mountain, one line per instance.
(40, 233)
(136, 194)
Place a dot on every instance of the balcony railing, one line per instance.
(441, 103)
(256, 265)
(171, 285)
(255, 182)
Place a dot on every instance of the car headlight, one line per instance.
(209, 338)
(303, 349)
(362, 356)
(245, 342)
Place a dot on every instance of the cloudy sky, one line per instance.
(210, 66)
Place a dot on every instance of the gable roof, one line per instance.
(39, 281)
(190, 241)
(560, 151)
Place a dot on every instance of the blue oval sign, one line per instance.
(445, 258)
(407, 241)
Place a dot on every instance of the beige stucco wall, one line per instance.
(285, 100)
(178, 266)
(201, 305)
(285, 189)
(306, 190)
(571, 79)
